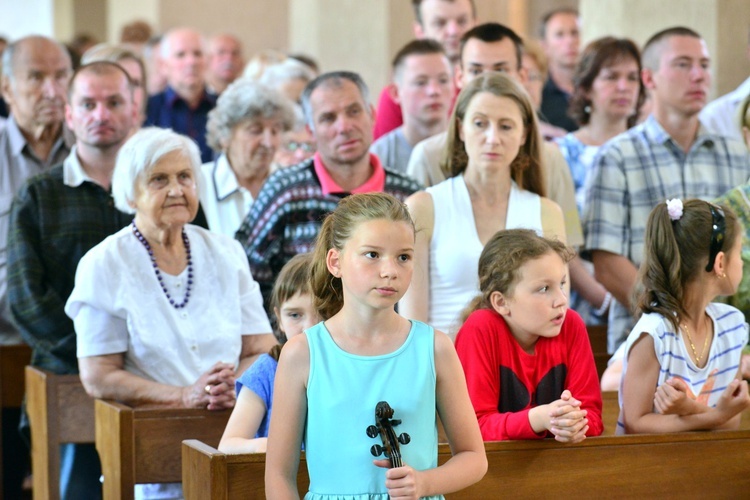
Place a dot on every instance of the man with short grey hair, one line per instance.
(287, 215)
(36, 70)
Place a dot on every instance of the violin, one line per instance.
(384, 427)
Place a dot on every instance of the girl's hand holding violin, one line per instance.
(402, 482)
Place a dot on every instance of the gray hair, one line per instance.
(138, 156)
(276, 75)
(9, 54)
(242, 101)
(332, 79)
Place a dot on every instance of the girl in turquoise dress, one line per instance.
(330, 379)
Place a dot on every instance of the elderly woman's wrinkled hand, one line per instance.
(213, 390)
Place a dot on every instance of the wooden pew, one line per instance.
(684, 465)
(13, 359)
(598, 339)
(60, 412)
(142, 445)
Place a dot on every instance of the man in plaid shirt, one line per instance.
(56, 218)
(670, 155)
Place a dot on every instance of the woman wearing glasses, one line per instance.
(297, 145)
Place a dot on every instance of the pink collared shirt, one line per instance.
(375, 184)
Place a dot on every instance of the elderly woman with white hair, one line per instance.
(289, 77)
(166, 313)
(246, 126)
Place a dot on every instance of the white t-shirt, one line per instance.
(118, 306)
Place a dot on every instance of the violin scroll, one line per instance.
(384, 427)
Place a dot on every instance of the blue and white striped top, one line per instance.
(707, 383)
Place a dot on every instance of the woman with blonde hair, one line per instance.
(494, 181)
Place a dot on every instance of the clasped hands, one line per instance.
(564, 418)
(674, 397)
(214, 389)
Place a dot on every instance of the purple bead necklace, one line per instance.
(185, 240)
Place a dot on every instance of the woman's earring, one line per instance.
(587, 109)
(723, 275)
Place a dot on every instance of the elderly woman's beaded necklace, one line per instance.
(185, 240)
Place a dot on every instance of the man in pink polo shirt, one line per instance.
(286, 216)
(443, 20)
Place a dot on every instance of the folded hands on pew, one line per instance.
(105, 377)
(214, 389)
(564, 418)
(673, 398)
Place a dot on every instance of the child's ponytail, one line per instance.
(676, 251)
(328, 296)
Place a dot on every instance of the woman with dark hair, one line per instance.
(493, 181)
(608, 93)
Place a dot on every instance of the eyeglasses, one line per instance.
(293, 146)
(719, 226)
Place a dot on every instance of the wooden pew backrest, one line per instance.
(684, 465)
(142, 445)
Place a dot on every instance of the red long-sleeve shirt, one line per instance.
(505, 382)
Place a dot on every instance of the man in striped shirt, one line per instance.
(287, 215)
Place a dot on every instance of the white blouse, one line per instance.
(118, 306)
(224, 201)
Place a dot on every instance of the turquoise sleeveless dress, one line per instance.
(342, 392)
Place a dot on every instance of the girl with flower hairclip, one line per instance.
(684, 345)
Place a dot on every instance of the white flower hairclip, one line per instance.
(674, 208)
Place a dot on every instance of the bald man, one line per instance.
(184, 105)
(225, 62)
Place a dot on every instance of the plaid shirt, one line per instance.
(53, 224)
(641, 168)
(287, 216)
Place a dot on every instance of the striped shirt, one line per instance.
(641, 168)
(675, 359)
(287, 215)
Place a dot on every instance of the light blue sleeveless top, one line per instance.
(342, 392)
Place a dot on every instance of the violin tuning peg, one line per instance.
(404, 438)
(376, 450)
(372, 431)
(395, 422)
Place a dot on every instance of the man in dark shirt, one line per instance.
(184, 105)
(561, 40)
